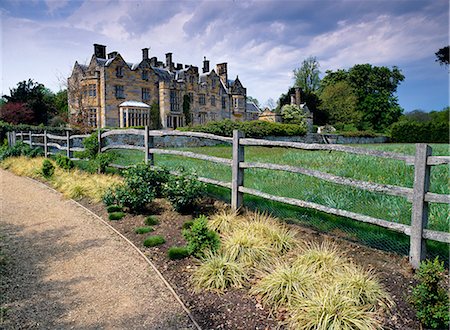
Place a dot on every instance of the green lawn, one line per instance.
(374, 169)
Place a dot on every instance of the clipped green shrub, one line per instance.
(430, 296)
(414, 132)
(144, 230)
(178, 252)
(116, 215)
(184, 190)
(109, 197)
(114, 208)
(154, 241)
(134, 198)
(255, 128)
(47, 169)
(142, 173)
(64, 162)
(151, 220)
(187, 224)
(199, 238)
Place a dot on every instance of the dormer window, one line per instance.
(119, 71)
(144, 74)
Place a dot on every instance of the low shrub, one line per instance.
(144, 230)
(135, 198)
(143, 173)
(187, 224)
(154, 241)
(64, 162)
(178, 252)
(217, 273)
(116, 215)
(183, 190)
(199, 238)
(109, 198)
(47, 169)
(114, 208)
(430, 296)
(151, 220)
(254, 129)
(20, 149)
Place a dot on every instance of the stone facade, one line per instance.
(110, 92)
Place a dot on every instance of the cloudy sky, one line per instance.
(262, 41)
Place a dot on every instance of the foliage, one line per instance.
(135, 199)
(144, 230)
(224, 221)
(187, 224)
(20, 149)
(151, 220)
(91, 146)
(254, 129)
(430, 296)
(200, 239)
(154, 241)
(16, 113)
(7, 127)
(339, 101)
(109, 197)
(64, 162)
(307, 76)
(442, 56)
(375, 89)
(183, 190)
(254, 100)
(413, 132)
(100, 162)
(116, 215)
(113, 208)
(154, 177)
(155, 119)
(178, 252)
(292, 114)
(187, 109)
(217, 272)
(47, 168)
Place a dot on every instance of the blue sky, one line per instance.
(262, 41)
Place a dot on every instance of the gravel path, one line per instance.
(66, 270)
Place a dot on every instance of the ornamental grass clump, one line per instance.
(144, 230)
(224, 221)
(217, 273)
(151, 220)
(178, 252)
(116, 215)
(283, 285)
(154, 241)
(114, 208)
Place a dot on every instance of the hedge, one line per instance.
(425, 132)
(255, 128)
(6, 127)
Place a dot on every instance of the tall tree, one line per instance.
(442, 56)
(339, 101)
(375, 89)
(307, 76)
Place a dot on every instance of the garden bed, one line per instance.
(235, 309)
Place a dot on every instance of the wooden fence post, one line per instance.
(45, 145)
(99, 139)
(21, 136)
(237, 173)
(419, 217)
(68, 153)
(31, 139)
(148, 144)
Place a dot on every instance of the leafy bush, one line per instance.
(64, 162)
(217, 272)
(114, 208)
(91, 146)
(100, 162)
(116, 215)
(255, 128)
(199, 238)
(151, 221)
(154, 241)
(154, 177)
(20, 149)
(178, 252)
(183, 190)
(430, 296)
(414, 132)
(109, 198)
(144, 230)
(292, 114)
(187, 224)
(47, 169)
(136, 198)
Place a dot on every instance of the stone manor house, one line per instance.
(114, 93)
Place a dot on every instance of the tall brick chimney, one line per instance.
(144, 53)
(205, 65)
(169, 63)
(100, 51)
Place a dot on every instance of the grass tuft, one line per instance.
(116, 215)
(144, 230)
(224, 221)
(151, 220)
(217, 273)
(114, 208)
(178, 252)
(154, 241)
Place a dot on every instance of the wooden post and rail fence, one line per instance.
(419, 195)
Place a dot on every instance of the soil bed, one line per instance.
(235, 309)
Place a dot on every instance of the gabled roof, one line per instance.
(252, 107)
(163, 74)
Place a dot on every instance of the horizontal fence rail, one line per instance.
(419, 195)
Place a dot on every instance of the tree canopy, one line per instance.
(307, 76)
(442, 56)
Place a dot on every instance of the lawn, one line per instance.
(374, 169)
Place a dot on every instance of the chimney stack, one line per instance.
(169, 63)
(222, 72)
(205, 65)
(100, 51)
(144, 53)
(298, 97)
(153, 61)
